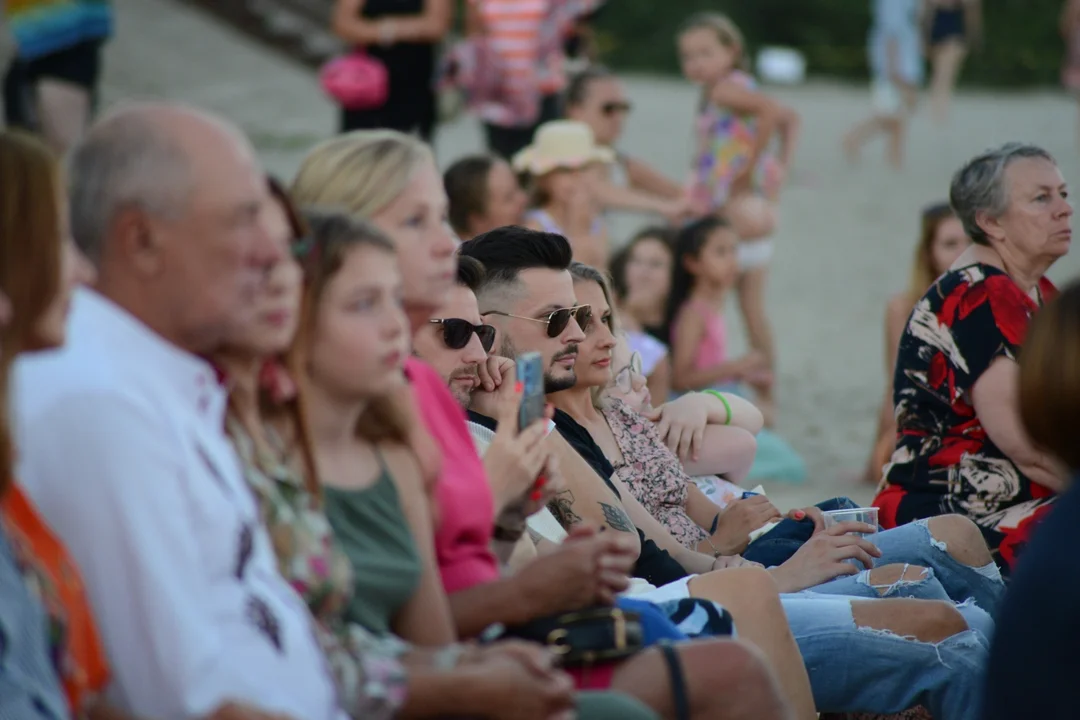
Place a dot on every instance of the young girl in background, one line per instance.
(560, 165)
(704, 270)
(941, 240)
(641, 280)
(738, 169)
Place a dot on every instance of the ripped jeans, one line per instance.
(859, 669)
(869, 670)
(945, 577)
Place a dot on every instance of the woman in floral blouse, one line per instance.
(960, 446)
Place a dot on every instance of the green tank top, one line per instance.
(371, 528)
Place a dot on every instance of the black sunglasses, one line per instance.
(558, 320)
(614, 108)
(457, 333)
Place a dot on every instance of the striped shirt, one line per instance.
(525, 41)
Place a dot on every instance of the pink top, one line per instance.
(466, 506)
(713, 347)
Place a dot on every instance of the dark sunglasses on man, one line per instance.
(456, 333)
(616, 108)
(558, 320)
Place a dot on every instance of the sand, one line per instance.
(845, 241)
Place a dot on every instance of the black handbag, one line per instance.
(586, 637)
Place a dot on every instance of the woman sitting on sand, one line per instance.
(941, 241)
(960, 445)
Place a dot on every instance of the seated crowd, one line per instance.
(264, 461)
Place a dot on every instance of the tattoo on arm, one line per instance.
(617, 518)
(562, 507)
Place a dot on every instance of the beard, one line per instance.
(463, 395)
(551, 382)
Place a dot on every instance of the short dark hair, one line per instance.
(504, 252)
(466, 189)
(470, 273)
(578, 86)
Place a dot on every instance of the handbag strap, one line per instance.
(678, 681)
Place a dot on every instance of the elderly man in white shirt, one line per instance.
(121, 436)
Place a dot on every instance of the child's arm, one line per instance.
(611, 195)
(644, 177)
(685, 376)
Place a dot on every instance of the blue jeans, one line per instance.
(945, 579)
(854, 669)
(778, 545)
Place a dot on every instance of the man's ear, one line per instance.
(135, 240)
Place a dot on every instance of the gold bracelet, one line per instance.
(715, 552)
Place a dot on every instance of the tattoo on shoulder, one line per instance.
(562, 507)
(617, 518)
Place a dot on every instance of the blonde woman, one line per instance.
(941, 240)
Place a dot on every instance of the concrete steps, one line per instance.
(298, 29)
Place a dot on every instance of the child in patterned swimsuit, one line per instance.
(738, 169)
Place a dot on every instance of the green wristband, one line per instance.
(727, 406)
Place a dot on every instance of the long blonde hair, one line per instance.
(923, 272)
(359, 173)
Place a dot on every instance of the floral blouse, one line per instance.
(653, 473)
(367, 669)
(52, 577)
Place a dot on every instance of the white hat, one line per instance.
(561, 144)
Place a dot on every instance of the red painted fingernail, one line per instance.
(541, 481)
(519, 386)
(537, 495)
(799, 514)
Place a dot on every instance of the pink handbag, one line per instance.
(356, 81)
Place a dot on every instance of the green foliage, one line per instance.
(1021, 45)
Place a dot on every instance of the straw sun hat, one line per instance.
(561, 144)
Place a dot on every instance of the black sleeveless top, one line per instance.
(411, 66)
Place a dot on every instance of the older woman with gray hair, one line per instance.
(961, 447)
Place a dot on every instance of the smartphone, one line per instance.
(529, 370)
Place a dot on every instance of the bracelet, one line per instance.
(716, 552)
(446, 658)
(715, 524)
(727, 406)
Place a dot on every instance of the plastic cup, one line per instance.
(863, 515)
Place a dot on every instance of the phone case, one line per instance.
(530, 374)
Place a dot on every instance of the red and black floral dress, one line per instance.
(944, 461)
